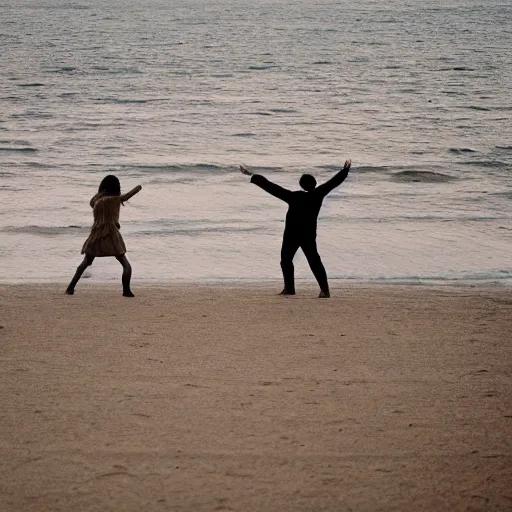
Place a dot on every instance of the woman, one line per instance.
(105, 238)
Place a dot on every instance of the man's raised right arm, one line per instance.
(268, 186)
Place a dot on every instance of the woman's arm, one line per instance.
(94, 198)
(268, 186)
(133, 191)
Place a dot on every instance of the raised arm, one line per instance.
(268, 186)
(133, 191)
(336, 180)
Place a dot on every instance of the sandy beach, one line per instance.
(207, 398)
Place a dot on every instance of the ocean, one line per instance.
(174, 95)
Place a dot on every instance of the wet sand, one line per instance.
(212, 398)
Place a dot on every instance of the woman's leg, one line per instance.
(127, 275)
(88, 259)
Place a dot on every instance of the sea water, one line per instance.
(175, 94)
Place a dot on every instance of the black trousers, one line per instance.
(291, 244)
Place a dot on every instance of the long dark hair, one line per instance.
(110, 186)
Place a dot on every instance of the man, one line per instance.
(301, 220)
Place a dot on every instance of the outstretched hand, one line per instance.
(347, 165)
(245, 171)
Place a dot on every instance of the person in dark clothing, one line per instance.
(301, 221)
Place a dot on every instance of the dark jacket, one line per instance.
(303, 207)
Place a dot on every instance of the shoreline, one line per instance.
(200, 398)
(236, 282)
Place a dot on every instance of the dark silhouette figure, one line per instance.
(105, 238)
(301, 221)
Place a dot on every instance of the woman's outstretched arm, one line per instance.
(268, 186)
(133, 191)
(336, 180)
